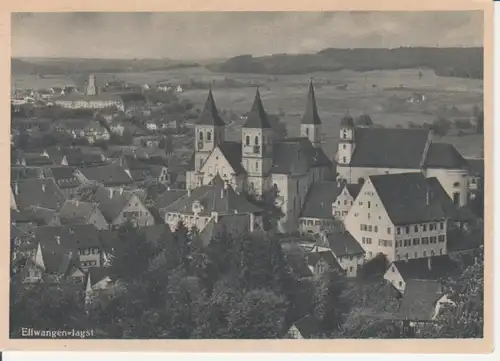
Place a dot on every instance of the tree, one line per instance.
(259, 314)
(441, 126)
(374, 267)
(364, 120)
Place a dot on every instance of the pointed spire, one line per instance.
(210, 114)
(257, 118)
(311, 115)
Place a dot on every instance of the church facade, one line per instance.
(262, 161)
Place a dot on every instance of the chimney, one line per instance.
(43, 187)
(58, 240)
(77, 203)
(252, 222)
(110, 193)
(429, 263)
(216, 217)
(121, 190)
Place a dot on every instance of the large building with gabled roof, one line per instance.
(263, 161)
(365, 151)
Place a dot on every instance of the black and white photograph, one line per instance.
(247, 175)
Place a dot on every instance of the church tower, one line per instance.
(91, 88)
(209, 131)
(346, 142)
(257, 147)
(311, 123)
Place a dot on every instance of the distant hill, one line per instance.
(53, 66)
(457, 62)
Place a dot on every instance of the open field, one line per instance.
(381, 94)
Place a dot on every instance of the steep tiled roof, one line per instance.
(110, 175)
(71, 237)
(80, 159)
(297, 155)
(38, 215)
(476, 165)
(210, 114)
(76, 212)
(443, 155)
(312, 258)
(418, 268)
(232, 152)
(38, 192)
(111, 205)
(215, 197)
(168, 197)
(344, 244)
(311, 115)
(411, 198)
(308, 326)
(419, 300)
(319, 200)
(389, 148)
(97, 274)
(257, 117)
(230, 225)
(353, 189)
(65, 177)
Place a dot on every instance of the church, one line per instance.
(262, 161)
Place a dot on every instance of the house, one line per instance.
(307, 327)
(107, 175)
(81, 240)
(66, 180)
(476, 179)
(363, 152)
(150, 141)
(264, 162)
(51, 262)
(231, 225)
(75, 212)
(320, 262)
(97, 279)
(42, 193)
(421, 303)
(33, 217)
(317, 213)
(80, 159)
(119, 206)
(151, 125)
(347, 251)
(430, 269)
(117, 127)
(20, 173)
(95, 132)
(344, 201)
(402, 215)
(199, 206)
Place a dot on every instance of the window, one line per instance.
(309, 222)
(441, 225)
(433, 239)
(344, 135)
(441, 251)
(375, 228)
(369, 228)
(318, 223)
(256, 140)
(456, 197)
(431, 226)
(425, 254)
(416, 254)
(209, 136)
(344, 146)
(424, 227)
(400, 284)
(416, 228)
(441, 238)
(307, 131)
(407, 229)
(257, 165)
(398, 230)
(344, 160)
(388, 230)
(247, 140)
(337, 213)
(406, 255)
(416, 241)
(350, 258)
(345, 202)
(425, 240)
(369, 204)
(432, 253)
(201, 136)
(398, 257)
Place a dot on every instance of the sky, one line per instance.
(199, 35)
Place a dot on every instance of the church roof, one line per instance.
(389, 148)
(210, 114)
(444, 155)
(319, 200)
(404, 197)
(347, 121)
(296, 155)
(311, 115)
(232, 152)
(257, 117)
